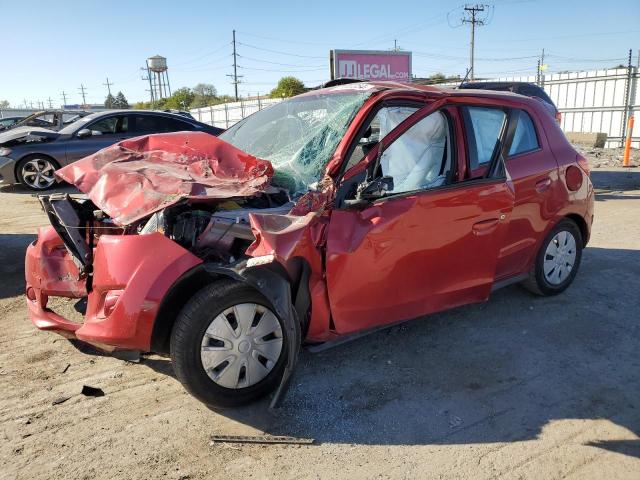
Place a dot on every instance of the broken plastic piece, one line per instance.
(92, 391)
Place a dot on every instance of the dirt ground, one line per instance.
(518, 387)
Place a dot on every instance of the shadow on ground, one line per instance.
(619, 179)
(20, 190)
(12, 249)
(494, 372)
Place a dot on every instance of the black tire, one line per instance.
(186, 338)
(21, 164)
(537, 282)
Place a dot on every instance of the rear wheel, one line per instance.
(228, 347)
(557, 261)
(36, 172)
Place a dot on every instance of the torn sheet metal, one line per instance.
(287, 237)
(137, 177)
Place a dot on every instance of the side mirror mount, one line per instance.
(83, 133)
(368, 191)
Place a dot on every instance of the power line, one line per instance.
(278, 63)
(279, 51)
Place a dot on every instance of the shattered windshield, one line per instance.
(298, 136)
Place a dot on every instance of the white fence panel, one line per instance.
(227, 114)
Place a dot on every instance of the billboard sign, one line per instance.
(371, 64)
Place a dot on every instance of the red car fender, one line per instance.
(135, 272)
(285, 238)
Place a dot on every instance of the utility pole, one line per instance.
(395, 45)
(108, 85)
(50, 102)
(81, 89)
(25, 103)
(64, 99)
(471, 18)
(148, 78)
(541, 67)
(235, 67)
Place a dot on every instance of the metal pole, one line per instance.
(473, 10)
(626, 100)
(473, 34)
(150, 85)
(235, 66)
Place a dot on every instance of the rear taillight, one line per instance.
(558, 117)
(584, 164)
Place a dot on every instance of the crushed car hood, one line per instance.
(135, 178)
(21, 132)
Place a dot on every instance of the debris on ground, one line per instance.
(60, 400)
(66, 368)
(89, 391)
(260, 439)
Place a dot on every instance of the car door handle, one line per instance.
(542, 185)
(485, 226)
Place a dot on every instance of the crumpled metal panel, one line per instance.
(137, 177)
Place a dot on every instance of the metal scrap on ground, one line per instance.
(260, 439)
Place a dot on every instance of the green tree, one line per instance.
(288, 87)
(205, 94)
(438, 77)
(120, 101)
(109, 101)
(180, 100)
(4, 104)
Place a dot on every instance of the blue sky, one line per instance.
(54, 46)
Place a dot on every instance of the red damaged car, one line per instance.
(334, 212)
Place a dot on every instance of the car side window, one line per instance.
(524, 138)
(483, 127)
(158, 124)
(385, 120)
(110, 125)
(174, 125)
(421, 157)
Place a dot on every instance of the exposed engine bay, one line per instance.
(215, 231)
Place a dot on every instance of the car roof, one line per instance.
(431, 90)
(139, 111)
(495, 84)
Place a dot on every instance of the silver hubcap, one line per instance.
(38, 173)
(241, 345)
(559, 257)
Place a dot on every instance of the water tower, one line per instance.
(158, 77)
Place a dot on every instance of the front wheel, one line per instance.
(228, 347)
(557, 261)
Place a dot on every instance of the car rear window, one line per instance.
(524, 138)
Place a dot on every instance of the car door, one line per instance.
(534, 172)
(428, 245)
(105, 131)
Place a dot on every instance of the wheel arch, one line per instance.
(259, 277)
(582, 225)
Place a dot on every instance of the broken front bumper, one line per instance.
(132, 274)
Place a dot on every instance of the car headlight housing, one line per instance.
(4, 151)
